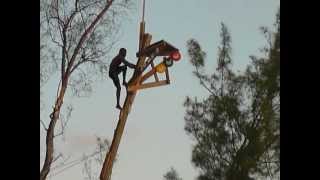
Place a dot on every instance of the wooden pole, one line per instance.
(108, 162)
(143, 9)
(141, 35)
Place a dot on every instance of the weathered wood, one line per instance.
(164, 49)
(141, 35)
(167, 75)
(148, 74)
(148, 62)
(140, 64)
(149, 85)
(108, 162)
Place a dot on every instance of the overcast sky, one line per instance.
(154, 138)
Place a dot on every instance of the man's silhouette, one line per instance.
(115, 69)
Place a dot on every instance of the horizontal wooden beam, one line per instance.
(148, 85)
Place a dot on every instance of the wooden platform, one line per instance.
(160, 48)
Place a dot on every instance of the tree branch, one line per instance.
(56, 158)
(43, 124)
(202, 83)
(84, 37)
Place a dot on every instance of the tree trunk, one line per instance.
(56, 110)
(50, 133)
(108, 163)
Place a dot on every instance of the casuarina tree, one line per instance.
(236, 128)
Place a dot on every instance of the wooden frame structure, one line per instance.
(160, 48)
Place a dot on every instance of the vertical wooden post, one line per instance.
(141, 35)
(108, 162)
(167, 75)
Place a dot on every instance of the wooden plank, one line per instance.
(149, 85)
(153, 84)
(141, 79)
(141, 61)
(167, 75)
(148, 74)
(147, 63)
(141, 35)
(164, 48)
(155, 74)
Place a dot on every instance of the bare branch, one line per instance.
(44, 126)
(202, 82)
(84, 37)
(65, 123)
(56, 158)
(81, 62)
(59, 134)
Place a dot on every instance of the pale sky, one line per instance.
(154, 138)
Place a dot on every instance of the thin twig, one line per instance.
(44, 126)
(203, 84)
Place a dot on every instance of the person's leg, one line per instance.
(124, 72)
(116, 82)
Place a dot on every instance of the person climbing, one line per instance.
(116, 68)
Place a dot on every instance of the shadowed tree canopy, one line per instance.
(236, 128)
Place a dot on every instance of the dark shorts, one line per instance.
(113, 74)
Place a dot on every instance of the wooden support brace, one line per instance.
(148, 62)
(148, 74)
(155, 74)
(144, 77)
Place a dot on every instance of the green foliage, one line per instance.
(236, 128)
(197, 56)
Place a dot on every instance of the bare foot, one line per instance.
(119, 107)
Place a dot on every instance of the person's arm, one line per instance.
(127, 63)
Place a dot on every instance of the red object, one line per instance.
(175, 56)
